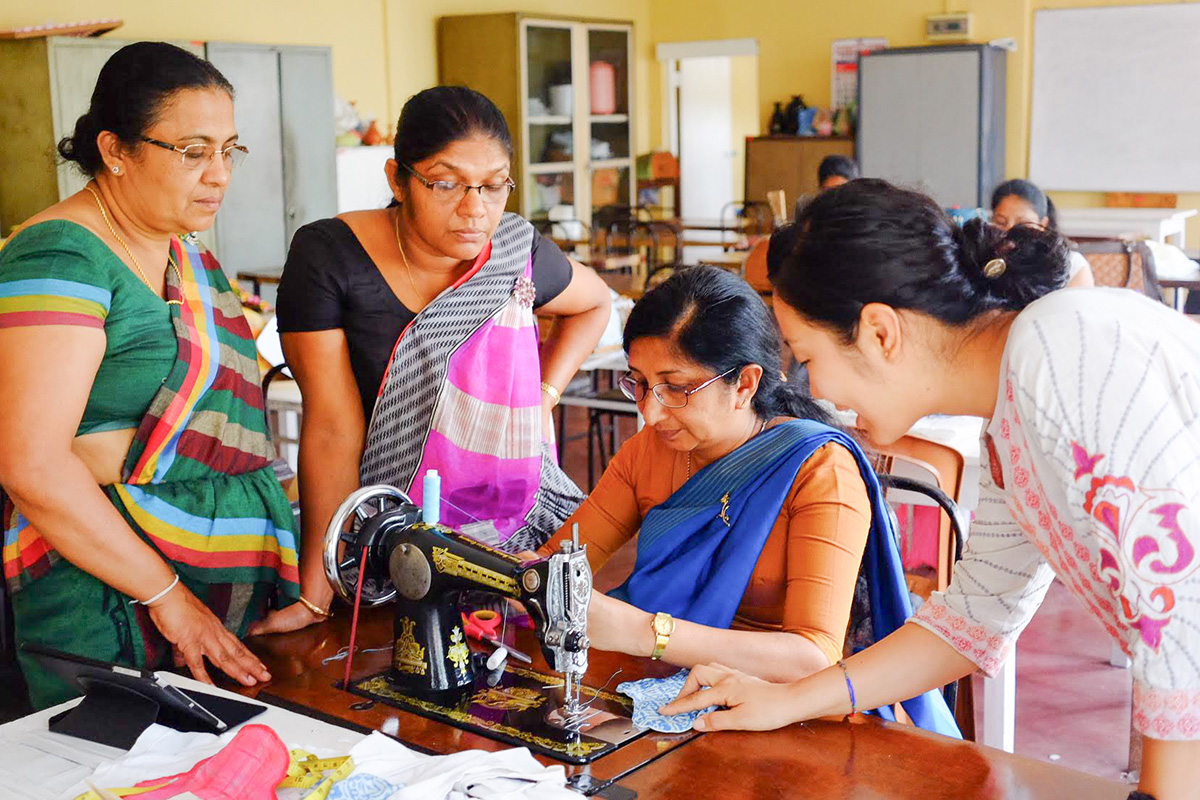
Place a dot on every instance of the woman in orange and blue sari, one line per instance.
(142, 516)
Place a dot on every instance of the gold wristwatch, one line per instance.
(663, 626)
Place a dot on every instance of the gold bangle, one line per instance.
(313, 607)
(555, 395)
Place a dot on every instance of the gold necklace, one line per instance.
(132, 257)
(407, 268)
(761, 428)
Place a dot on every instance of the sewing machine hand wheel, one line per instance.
(348, 533)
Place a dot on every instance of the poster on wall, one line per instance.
(845, 67)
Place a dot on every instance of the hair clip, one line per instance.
(994, 268)
(783, 376)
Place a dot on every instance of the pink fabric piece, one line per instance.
(514, 389)
(248, 768)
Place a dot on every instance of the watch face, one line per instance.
(663, 624)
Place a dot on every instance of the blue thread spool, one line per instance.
(431, 500)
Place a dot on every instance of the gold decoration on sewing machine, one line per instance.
(408, 656)
(724, 515)
(458, 654)
(513, 698)
(448, 563)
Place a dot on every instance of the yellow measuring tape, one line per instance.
(304, 772)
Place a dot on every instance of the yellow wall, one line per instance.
(794, 52)
(384, 51)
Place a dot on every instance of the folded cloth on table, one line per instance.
(505, 775)
(651, 694)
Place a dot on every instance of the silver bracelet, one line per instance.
(158, 596)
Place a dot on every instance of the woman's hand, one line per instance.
(195, 633)
(618, 626)
(747, 703)
(285, 620)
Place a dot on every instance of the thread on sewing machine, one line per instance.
(431, 499)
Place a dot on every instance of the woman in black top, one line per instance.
(410, 331)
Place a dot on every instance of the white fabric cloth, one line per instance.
(501, 775)
(1093, 473)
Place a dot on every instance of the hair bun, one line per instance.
(1015, 267)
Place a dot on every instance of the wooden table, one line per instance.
(1162, 224)
(866, 758)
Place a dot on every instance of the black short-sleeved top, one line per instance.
(330, 282)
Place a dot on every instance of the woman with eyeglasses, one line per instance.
(412, 333)
(1090, 464)
(143, 518)
(753, 513)
(1020, 202)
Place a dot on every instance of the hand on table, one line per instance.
(285, 620)
(195, 633)
(746, 703)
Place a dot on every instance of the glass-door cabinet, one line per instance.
(565, 86)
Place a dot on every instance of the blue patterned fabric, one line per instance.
(364, 786)
(651, 694)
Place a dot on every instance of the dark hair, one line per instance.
(781, 244)
(871, 242)
(717, 320)
(435, 118)
(1042, 205)
(837, 165)
(134, 86)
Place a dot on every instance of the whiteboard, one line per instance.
(1116, 99)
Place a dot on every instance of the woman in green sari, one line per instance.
(142, 517)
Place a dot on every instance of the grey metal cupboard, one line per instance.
(933, 118)
(284, 113)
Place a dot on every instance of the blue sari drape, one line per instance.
(697, 550)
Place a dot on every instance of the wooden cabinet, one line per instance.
(789, 163)
(284, 113)
(565, 86)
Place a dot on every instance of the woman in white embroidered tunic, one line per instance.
(1092, 464)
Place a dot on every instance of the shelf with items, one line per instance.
(565, 87)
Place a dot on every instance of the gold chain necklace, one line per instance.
(407, 268)
(132, 257)
(761, 428)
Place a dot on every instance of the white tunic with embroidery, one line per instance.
(1092, 472)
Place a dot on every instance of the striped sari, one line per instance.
(197, 482)
(462, 395)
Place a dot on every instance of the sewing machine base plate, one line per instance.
(523, 709)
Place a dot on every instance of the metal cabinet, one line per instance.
(284, 113)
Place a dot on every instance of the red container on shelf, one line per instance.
(604, 88)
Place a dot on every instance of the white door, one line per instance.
(705, 136)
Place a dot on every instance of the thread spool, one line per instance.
(431, 498)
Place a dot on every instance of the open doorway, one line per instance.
(711, 107)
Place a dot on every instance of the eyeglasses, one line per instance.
(493, 194)
(666, 394)
(195, 156)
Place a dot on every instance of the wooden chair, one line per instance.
(1124, 263)
(755, 268)
(920, 472)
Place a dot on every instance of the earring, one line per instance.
(116, 170)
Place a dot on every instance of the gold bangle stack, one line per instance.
(313, 607)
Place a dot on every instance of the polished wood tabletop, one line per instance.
(863, 758)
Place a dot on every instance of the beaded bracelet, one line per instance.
(849, 687)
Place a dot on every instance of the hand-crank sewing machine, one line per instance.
(378, 547)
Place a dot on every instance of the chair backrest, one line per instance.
(935, 464)
(1123, 263)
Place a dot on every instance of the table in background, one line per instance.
(1153, 223)
(257, 278)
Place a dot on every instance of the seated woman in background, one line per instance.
(753, 511)
(143, 519)
(411, 332)
(1019, 202)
